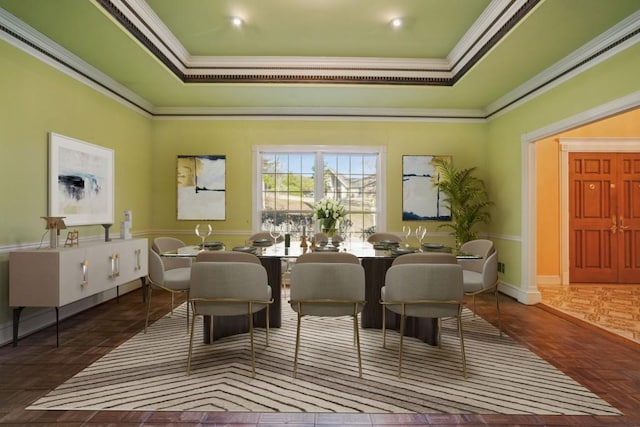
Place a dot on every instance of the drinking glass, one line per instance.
(203, 234)
(421, 231)
(275, 232)
(406, 230)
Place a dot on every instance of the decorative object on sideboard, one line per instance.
(73, 239)
(54, 225)
(125, 226)
(106, 232)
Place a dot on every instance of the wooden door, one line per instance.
(604, 217)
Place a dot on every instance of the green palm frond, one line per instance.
(466, 198)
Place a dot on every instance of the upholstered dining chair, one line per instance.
(423, 290)
(330, 286)
(425, 258)
(229, 289)
(265, 235)
(227, 256)
(166, 244)
(480, 247)
(379, 237)
(483, 280)
(175, 280)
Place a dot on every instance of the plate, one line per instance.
(433, 245)
(248, 249)
(327, 248)
(402, 251)
(389, 243)
(213, 245)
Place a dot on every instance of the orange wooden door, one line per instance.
(604, 217)
(629, 218)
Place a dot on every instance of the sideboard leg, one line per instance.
(143, 288)
(16, 324)
(57, 327)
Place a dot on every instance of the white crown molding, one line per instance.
(36, 44)
(570, 66)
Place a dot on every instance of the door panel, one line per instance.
(604, 217)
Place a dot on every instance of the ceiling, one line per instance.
(451, 58)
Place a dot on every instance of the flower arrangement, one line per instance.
(329, 212)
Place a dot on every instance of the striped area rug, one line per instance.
(148, 373)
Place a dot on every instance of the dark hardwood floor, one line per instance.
(608, 366)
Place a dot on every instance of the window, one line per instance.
(288, 185)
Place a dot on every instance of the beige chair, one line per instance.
(265, 235)
(229, 289)
(379, 237)
(227, 256)
(425, 258)
(166, 244)
(324, 257)
(480, 247)
(175, 280)
(327, 289)
(423, 290)
(486, 280)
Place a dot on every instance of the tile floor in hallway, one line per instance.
(615, 308)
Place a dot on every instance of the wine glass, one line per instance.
(421, 231)
(275, 232)
(203, 234)
(406, 230)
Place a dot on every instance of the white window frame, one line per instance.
(381, 184)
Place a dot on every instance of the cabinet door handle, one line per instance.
(115, 266)
(85, 273)
(138, 252)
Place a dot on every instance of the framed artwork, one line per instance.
(420, 197)
(81, 177)
(201, 187)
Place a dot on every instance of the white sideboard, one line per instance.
(57, 277)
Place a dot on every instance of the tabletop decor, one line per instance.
(329, 212)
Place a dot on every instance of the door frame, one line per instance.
(582, 145)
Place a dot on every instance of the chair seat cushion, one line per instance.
(472, 281)
(177, 278)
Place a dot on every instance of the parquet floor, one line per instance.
(608, 366)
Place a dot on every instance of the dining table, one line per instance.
(375, 260)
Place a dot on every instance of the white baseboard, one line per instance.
(33, 319)
(528, 297)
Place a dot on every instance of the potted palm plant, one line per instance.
(466, 198)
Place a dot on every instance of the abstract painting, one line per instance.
(80, 181)
(201, 187)
(420, 196)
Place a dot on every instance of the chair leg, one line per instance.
(253, 355)
(384, 329)
(146, 318)
(188, 304)
(357, 338)
(193, 321)
(267, 325)
(402, 322)
(295, 358)
(464, 358)
(474, 305)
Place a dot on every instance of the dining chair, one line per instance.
(328, 257)
(229, 289)
(379, 237)
(423, 290)
(265, 235)
(480, 247)
(175, 280)
(166, 244)
(227, 256)
(426, 258)
(329, 289)
(483, 281)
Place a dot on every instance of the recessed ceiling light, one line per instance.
(237, 22)
(396, 23)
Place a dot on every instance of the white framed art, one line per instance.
(201, 185)
(81, 181)
(421, 199)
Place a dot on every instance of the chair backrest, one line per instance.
(166, 244)
(241, 281)
(419, 282)
(328, 257)
(490, 270)
(265, 235)
(378, 237)
(480, 247)
(328, 282)
(227, 256)
(156, 268)
(426, 258)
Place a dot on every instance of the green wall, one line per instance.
(235, 139)
(36, 100)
